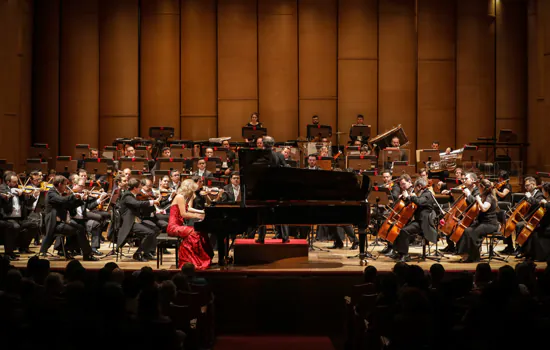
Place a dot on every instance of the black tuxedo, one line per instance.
(57, 220)
(149, 213)
(424, 221)
(130, 211)
(228, 195)
(205, 175)
(92, 222)
(18, 231)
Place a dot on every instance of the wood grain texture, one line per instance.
(397, 69)
(475, 72)
(237, 65)
(357, 63)
(159, 65)
(436, 73)
(198, 67)
(118, 70)
(79, 75)
(317, 50)
(278, 67)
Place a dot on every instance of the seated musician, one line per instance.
(201, 169)
(57, 219)
(395, 142)
(194, 247)
(471, 191)
(396, 188)
(83, 174)
(312, 163)
(533, 196)
(175, 179)
(83, 215)
(537, 246)
(209, 152)
(166, 153)
(127, 172)
(286, 153)
(504, 194)
(424, 219)
(459, 175)
(423, 173)
(230, 160)
(15, 206)
(323, 152)
(360, 122)
(144, 229)
(260, 142)
(151, 213)
(435, 146)
(130, 152)
(486, 222)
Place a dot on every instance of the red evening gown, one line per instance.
(194, 247)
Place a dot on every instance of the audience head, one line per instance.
(369, 274)
(437, 273)
(54, 284)
(181, 282)
(74, 271)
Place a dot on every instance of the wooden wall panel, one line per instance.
(45, 81)
(159, 65)
(475, 72)
(436, 73)
(357, 63)
(539, 139)
(278, 67)
(79, 75)
(198, 67)
(535, 76)
(237, 65)
(397, 68)
(317, 52)
(118, 70)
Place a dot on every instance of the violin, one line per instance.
(143, 196)
(531, 225)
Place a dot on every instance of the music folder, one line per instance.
(379, 195)
(65, 164)
(361, 130)
(318, 130)
(252, 132)
(98, 166)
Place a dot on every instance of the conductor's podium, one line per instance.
(248, 252)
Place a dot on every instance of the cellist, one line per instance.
(537, 246)
(404, 184)
(424, 219)
(485, 223)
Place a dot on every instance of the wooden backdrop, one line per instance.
(451, 70)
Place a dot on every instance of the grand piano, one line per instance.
(289, 196)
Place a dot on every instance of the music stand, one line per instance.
(379, 195)
(171, 164)
(40, 150)
(507, 135)
(427, 155)
(252, 132)
(98, 166)
(324, 163)
(360, 162)
(110, 152)
(402, 168)
(390, 155)
(161, 132)
(134, 163)
(65, 164)
(471, 154)
(36, 164)
(211, 182)
(81, 151)
(318, 130)
(292, 163)
(181, 151)
(141, 152)
(138, 174)
(4, 165)
(362, 131)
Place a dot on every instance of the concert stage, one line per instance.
(319, 262)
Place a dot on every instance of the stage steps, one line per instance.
(248, 252)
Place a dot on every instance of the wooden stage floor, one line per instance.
(337, 261)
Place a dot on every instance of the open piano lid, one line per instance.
(263, 183)
(384, 140)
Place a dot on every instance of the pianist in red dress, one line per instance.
(194, 247)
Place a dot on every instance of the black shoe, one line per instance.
(393, 255)
(354, 246)
(139, 257)
(286, 240)
(336, 246)
(390, 253)
(448, 249)
(11, 256)
(507, 251)
(96, 252)
(404, 258)
(260, 241)
(166, 251)
(386, 250)
(90, 258)
(149, 256)
(26, 251)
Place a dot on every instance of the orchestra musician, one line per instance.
(404, 184)
(424, 218)
(145, 229)
(260, 142)
(254, 122)
(175, 179)
(486, 222)
(359, 122)
(533, 196)
(312, 162)
(201, 169)
(57, 219)
(396, 143)
(231, 156)
(537, 246)
(15, 206)
(130, 152)
(459, 175)
(209, 152)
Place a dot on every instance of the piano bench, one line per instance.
(165, 241)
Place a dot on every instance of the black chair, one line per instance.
(164, 241)
(62, 238)
(492, 239)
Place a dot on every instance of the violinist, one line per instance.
(404, 185)
(424, 219)
(58, 203)
(151, 213)
(533, 196)
(486, 222)
(15, 205)
(423, 173)
(537, 246)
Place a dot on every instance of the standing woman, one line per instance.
(254, 122)
(194, 247)
(486, 222)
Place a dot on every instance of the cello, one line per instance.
(518, 214)
(452, 217)
(402, 219)
(531, 225)
(390, 220)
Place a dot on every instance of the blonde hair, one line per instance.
(187, 188)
